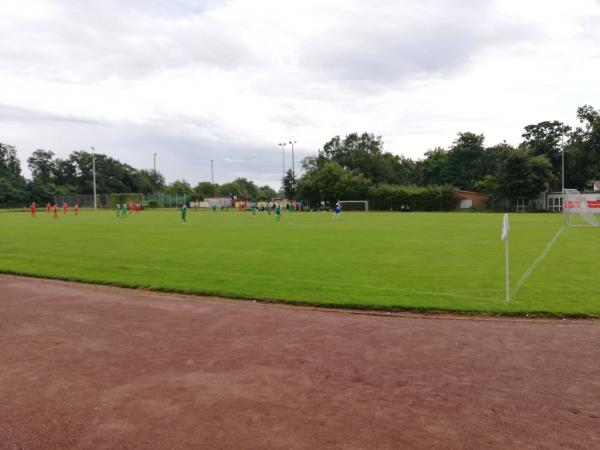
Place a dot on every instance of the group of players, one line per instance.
(54, 209)
(123, 208)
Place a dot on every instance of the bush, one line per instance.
(388, 197)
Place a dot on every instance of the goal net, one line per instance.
(355, 205)
(577, 211)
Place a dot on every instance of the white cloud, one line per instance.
(227, 80)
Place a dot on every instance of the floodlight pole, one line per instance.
(212, 172)
(562, 175)
(282, 145)
(293, 165)
(155, 172)
(94, 175)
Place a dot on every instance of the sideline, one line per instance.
(536, 262)
(532, 318)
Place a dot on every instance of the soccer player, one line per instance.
(277, 213)
(32, 209)
(76, 209)
(65, 207)
(55, 209)
(137, 208)
(130, 207)
(183, 212)
(48, 207)
(118, 210)
(337, 210)
(254, 209)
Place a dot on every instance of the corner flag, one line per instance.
(505, 227)
(504, 237)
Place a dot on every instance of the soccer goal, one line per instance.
(576, 210)
(355, 205)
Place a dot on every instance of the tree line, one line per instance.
(357, 167)
(52, 176)
(353, 167)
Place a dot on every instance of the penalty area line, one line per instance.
(535, 263)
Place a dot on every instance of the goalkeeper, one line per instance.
(337, 210)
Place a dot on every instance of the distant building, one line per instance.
(209, 202)
(469, 200)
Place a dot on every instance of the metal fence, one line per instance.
(158, 199)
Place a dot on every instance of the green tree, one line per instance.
(464, 161)
(265, 193)
(434, 168)
(41, 165)
(521, 175)
(363, 153)
(179, 187)
(582, 154)
(206, 189)
(144, 181)
(290, 185)
(332, 182)
(546, 139)
(12, 184)
(240, 187)
(64, 173)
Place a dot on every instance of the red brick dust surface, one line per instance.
(85, 366)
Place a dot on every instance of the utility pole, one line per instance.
(94, 175)
(293, 165)
(212, 172)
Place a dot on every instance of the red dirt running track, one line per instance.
(92, 367)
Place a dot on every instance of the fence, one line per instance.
(156, 200)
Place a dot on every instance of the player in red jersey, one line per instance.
(137, 208)
(55, 209)
(76, 209)
(130, 207)
(48, 207)
(32, 209)
(65, 207)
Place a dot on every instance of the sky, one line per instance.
(227, 80)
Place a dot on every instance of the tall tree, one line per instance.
(547, 139)
(464, 161)
(434, 167)
(206, 189)
(179, 187)
(41, 165)
(290, 185)
(12, 183)
(265, 193)
(521, 175)
(582, 154)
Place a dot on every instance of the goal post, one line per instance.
(355, 205)
(576, 210)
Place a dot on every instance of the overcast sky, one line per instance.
(195, 80)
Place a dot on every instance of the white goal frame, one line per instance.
(575, 204)
(364, 202)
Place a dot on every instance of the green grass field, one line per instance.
(441, 261)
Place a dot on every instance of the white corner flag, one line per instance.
(504, 237)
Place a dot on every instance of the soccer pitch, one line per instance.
(439, 261)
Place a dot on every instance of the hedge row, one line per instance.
(386, 197)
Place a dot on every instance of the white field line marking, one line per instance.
(535, 263)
